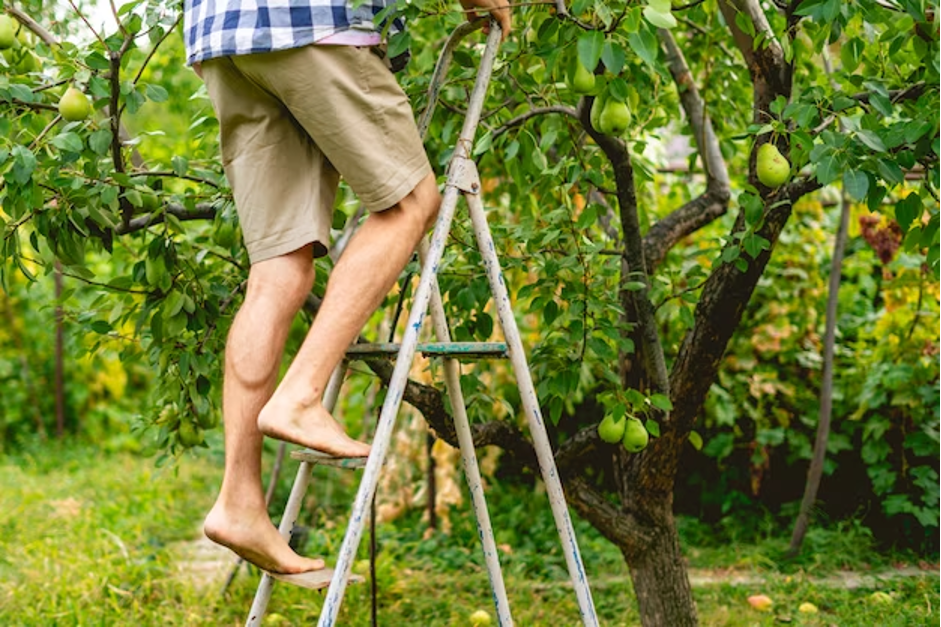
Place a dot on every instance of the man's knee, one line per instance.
(285, 280)
(423, 202)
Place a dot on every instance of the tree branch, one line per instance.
(520, 119)
(32, 25)
(202, 211)
(712, 204)
(634, 267)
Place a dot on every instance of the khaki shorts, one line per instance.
(292, 122)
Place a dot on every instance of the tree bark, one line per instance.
(659, 575)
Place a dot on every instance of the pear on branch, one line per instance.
(74, 105)
(772, 168)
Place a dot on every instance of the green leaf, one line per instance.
(180, 165)
(399, 43)
(872, 140)
(696, 440)
(613, 57)
(483, 144)
(634, 286)
(590, 44)
(101, 327)
(653, 427)
(890, 171)
(843, 102)
(658, 19)
(850, 53)
(644, 44)
(907, 211)
(827, 170)
(856, 184)
(69, 142)
(661, 401)
(753, 207)
(100, 141)
(24, 162)
(881, 103)
(156, 93)
(744, 23)
(876, 195)
(97, 61)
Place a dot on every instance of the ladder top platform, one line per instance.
(316, 457)
(431, 349)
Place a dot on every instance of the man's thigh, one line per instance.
(355, 112)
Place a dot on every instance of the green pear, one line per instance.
(611, 430)
(74, 105)
(635, 436)
(596, 108)
(581, 80)
(7, 32)
(614, 118)
(772, 168)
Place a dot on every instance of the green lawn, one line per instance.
(93, 538)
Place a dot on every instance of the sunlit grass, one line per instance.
(88, 538)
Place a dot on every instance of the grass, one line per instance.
(92, 538)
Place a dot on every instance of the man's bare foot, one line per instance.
(252, 536)
(310, 426)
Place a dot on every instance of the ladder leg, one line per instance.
(469, 456)
(293, 506)
(530, 402)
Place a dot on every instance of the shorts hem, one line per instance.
(284, 245)
(401, 190)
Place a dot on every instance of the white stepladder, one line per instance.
(462, 179)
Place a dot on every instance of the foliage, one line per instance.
(630, 272)
(761, 416)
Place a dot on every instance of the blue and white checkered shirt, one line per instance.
(217, 28)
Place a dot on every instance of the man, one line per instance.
(303, 99)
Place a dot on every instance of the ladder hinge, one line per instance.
(463, 175)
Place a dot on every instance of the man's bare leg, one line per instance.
(361, 279)
(239, 519)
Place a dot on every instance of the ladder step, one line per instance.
(316, 457)
(431, 349)
(312, 580)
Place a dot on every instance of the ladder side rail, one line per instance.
(390, 407)
(441, 69)
(465, 439)
(293, 507)
(530, 403)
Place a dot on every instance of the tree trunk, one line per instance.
(661, 583)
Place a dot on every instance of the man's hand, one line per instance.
(499, 9)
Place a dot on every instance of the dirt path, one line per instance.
(204, 563)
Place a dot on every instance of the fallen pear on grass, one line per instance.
(760, 602)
